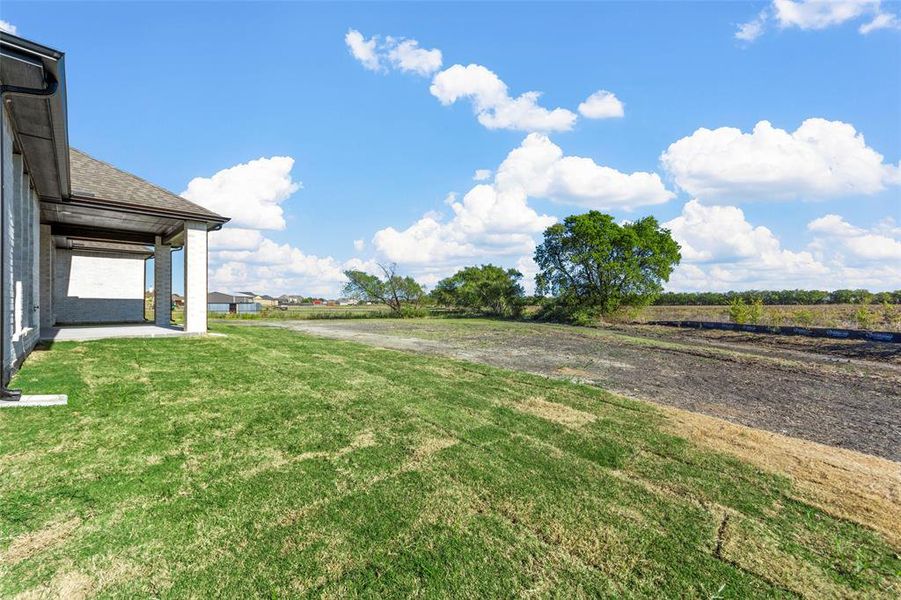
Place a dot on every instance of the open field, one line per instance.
(818, 395)
(268, 462)
(845, 316)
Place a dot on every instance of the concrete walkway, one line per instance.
(103, 332)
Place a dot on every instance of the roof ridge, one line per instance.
(142, 180)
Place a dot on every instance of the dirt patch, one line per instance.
(847, 484)
(558, 413)
(35, 542)
(809, 394)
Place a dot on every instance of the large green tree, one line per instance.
(391, 289)
(487, 288)
(591, 262)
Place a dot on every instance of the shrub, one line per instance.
(890, 316)
(411, 312)
(803, 317)
(864, 317)
(776, 317)
(755, 311)
(738, 311)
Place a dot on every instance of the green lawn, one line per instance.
(271, 463)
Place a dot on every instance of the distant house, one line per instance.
(177, 301)
(262, 300)
(347, 301)
(219, 303)
(76, 231)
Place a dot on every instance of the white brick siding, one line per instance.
(97, 287)
(21, 206)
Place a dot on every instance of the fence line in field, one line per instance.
(829, 332)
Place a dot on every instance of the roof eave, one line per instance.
(53, 62)
(215, 221)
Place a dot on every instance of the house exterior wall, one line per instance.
(21, 244)
(97, 287)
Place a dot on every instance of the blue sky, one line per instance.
(177, 91)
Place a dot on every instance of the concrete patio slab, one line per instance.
(103, 332)
(36, 400)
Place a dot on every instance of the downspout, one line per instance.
(50, 87)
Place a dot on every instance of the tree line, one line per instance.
(589, 265)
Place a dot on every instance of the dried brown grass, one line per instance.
(27, 545)
(844, 483)
(552, 411)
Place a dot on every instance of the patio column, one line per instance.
(195, 276)
(162, 283)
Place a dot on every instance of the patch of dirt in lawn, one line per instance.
(35, 542)
(853, 404)
(558, 413)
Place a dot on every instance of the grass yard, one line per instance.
(267, 462)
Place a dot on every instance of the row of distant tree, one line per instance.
(806, 297)
(588, 265)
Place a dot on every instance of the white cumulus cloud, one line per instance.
(539, 167)
(835, 235)
(481, 175)
(363, 50)
(494, 220)
(817, 15)
(403, 54)
(240, 256)
(359, 245)
(7, 27)
(601, 105)
(753, 29)
(250, 193)
(821, 159)
(721, 250)
(492, 103)
(406, 55)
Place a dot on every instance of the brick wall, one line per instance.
(97, 287)
(20, 240)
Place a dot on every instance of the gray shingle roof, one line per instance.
(96, 180)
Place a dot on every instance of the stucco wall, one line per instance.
(21, 205)
(97, 287)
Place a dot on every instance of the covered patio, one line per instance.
(76, 232)
(94, 248)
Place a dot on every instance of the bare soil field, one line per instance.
(846, 316)
(840, 393)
